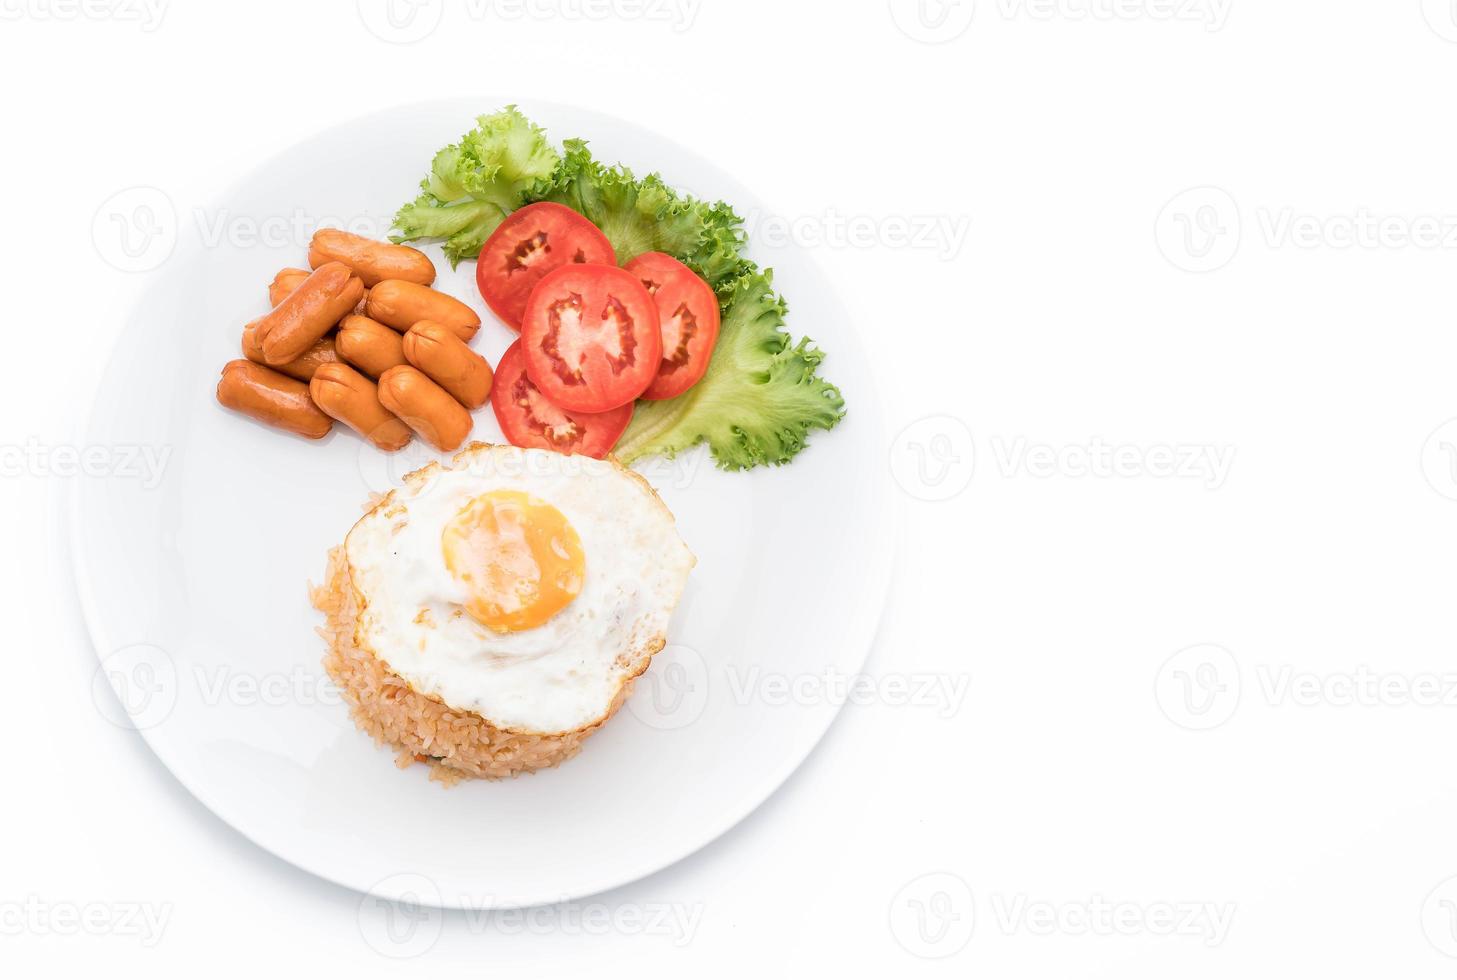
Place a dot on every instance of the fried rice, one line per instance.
(454, 744)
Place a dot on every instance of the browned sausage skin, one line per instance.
(401, 305)
(425, 407)
(284, 283)
(345, 394)
(307, 313)
(447, 361)
(301, 367)
(371, 261)
(371, 347)
(272, 398)
(288, 280)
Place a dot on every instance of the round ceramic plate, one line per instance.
(193, 574)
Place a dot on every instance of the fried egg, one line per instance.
(519, 584)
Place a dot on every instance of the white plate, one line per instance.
(194, 588)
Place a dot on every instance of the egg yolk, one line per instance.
(518, 558)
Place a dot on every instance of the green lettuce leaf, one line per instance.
(761, 395)
(757, 402)
(474, 184)
(647, 215)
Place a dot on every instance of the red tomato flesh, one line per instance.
(530, 421)
(591, 337)
(530, 243)
(688, 315)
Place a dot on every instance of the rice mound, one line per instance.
(454, 744)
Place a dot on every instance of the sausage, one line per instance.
(345, 394)
(284, 283)
(425, 407)
(307, 313)
(301, 367)
(371, 347)
(401, 305)
(288, 280)
(371, 261)
(272, 398)
(448, 362)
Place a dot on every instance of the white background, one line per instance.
(1164, 232)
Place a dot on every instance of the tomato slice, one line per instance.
(530, 421)
(688, 315)
(591, 337)
(526, 246)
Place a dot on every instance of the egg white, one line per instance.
(560, 676)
